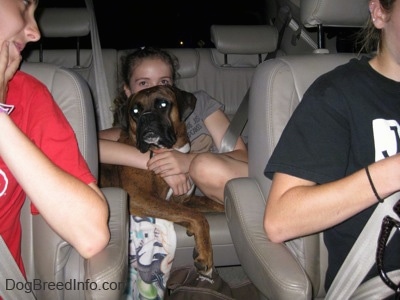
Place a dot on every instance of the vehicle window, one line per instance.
(126, 24)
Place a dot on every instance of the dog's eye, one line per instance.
(162, 104)
(135, 111)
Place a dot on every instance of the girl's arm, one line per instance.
(113, 152)
(76, 211)
(217, 123)
(171, 162)
(297, 207)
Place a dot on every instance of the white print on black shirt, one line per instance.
(386, 138)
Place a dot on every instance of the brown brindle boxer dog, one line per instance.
(155, 119)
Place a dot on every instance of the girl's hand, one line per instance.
(168, 162)
(180, 184)
(8, 66)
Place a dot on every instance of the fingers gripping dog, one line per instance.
(155, 119)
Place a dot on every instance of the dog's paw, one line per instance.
(204, 270)
(203, 266)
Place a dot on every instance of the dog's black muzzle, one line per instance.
(154, 129)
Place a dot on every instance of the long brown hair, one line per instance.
(128, 65)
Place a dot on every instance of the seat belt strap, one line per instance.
(361, 257)
(236, 125)
(240, 118)
(10, 275)
(282, 21)
(103, 97)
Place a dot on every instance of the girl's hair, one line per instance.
(128, 65)
(371, 37)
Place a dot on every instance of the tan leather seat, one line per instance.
(50, 260)
(293, 270)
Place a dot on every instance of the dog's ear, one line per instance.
(121, 112)
(186, 103)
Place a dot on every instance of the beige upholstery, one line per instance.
(277, 88)
(55, 22)
(46, 256)
(238, 39)
(340, 13)
(294, 270)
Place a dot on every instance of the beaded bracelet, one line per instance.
(380, 200)
(7, 108)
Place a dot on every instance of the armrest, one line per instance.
(271, 267)
(110, 267)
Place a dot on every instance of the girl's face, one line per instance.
(150, 72)
(18, 25)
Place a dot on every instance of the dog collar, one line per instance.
(184, 149)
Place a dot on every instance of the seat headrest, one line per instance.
(337, 13)
(189, 60)
(64, 22)
(244, 39)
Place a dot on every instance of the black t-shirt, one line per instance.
(347, 119)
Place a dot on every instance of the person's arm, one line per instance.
(113, 152)
(297, 207)
(76, 211)
(172, 162)
(217, 123)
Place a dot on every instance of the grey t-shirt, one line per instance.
(200, 138)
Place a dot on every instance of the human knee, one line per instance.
(200, 165)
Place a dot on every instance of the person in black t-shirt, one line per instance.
(346, 126)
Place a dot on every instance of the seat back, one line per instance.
(277, 87)
(70, 24)
(47, 257)
(276, 90)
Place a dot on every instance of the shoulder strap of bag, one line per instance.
(10, 275)
(361, 257)
(103, 97)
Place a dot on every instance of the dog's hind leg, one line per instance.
(204, 204)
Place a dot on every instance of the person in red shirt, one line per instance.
(39, 154)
